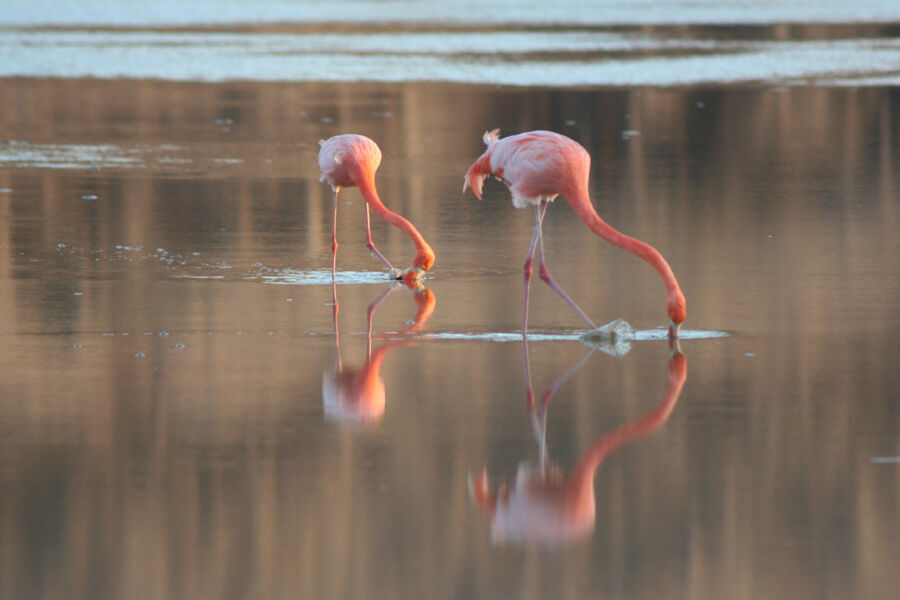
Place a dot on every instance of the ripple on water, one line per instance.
(576, 335)
(569, 57)
(323, 277)
(617, 346)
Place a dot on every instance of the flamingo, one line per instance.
(357, 394)
(547, 506)
(351, 160)
(537, 166)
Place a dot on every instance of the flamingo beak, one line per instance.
(411, 274)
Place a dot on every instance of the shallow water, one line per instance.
(518, 55)
(179, 418)
(439, 13)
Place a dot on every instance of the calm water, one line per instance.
(179, 419)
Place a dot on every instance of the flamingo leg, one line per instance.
(529, 403)
(370, 314)
(545, 274)
(335, 309)
(539, 419)
(547, 396)
(334, 242)
(371, 245)
(538, 219)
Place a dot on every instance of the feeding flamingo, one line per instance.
(351, 160)
(537, 166)
(547, 506)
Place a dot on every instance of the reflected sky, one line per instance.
(598, 12)
(513, 56)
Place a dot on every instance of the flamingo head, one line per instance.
(424, 258)
(423, 261)
(677, 308)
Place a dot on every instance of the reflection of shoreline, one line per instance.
(686, 133)
(546, 506)
(208, 471)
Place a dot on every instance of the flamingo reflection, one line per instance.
(546, 506)
(357, 394)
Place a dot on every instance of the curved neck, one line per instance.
(581, 481)
(371, 370)
(581, 204)
(366, 185)
(425, 303)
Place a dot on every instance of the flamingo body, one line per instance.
(343, 159)
(536, 509)
(537, 166)
(356, 395)
(350, 160)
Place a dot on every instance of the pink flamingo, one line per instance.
(357, 394)
(351, 160)
(549, 507)
(537, 166)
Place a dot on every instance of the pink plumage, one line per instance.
(537, 166)
(548, 507)
(343, 158)
(351, 160)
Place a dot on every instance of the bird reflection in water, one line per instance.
(357, 394)
(545, 506)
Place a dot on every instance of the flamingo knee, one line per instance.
(544, 274)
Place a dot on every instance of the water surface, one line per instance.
(179, 418)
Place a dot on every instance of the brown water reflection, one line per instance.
(358, 394)
(546, 506)
(162, 431)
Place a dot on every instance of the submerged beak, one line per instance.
(411, 274)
